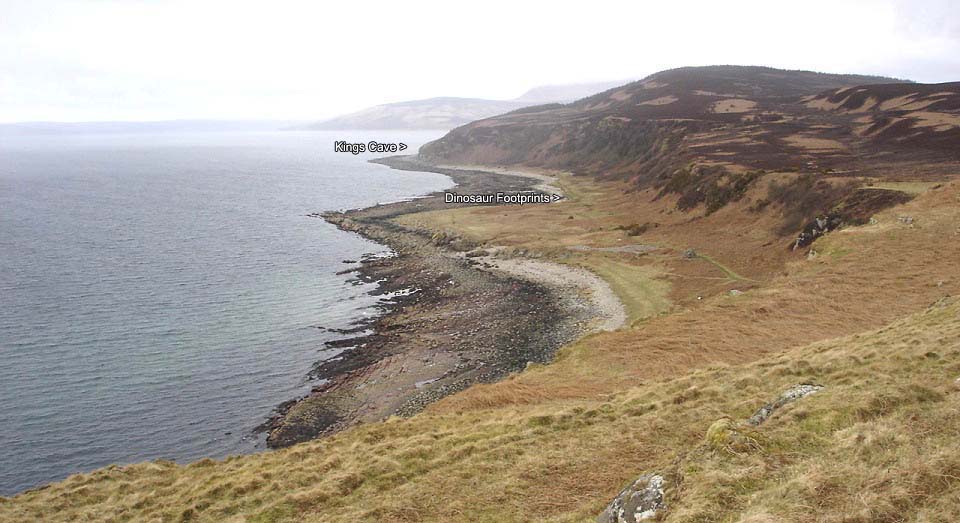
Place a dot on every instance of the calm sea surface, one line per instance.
(160, 294)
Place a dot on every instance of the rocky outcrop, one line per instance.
(816, 228)
(855, 208)
(789, 396)
(727, 435)
(641, 501)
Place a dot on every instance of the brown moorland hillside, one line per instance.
(686, 192)
(556, 443)
(707, 134)
(901, 116)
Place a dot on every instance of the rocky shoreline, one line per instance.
(448, 321)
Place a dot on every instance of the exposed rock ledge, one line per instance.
(643, 499)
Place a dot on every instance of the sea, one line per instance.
(161, 294)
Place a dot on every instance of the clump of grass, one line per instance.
(728, 436)
(636, 229)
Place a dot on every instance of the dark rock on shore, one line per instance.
(447, 324)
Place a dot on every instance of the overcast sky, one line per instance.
(76, 60)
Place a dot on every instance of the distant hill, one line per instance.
(451, 112)
(769, 368)
(706, 135)
(728, 118)
(565, 93)
(431, 113)
(165, 126)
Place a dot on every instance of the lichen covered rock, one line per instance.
(791, 395)
(641, 501)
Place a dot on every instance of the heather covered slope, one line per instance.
(709, 134)
(732, 118)
(726, 311)
(899, 115)
(646, 129)
(556, 442)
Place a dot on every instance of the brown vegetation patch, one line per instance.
(813, 143)
(562, 439)
(908, 102)
(663, 100)
(732, 105)
(557, 441)
(712, 185)
(939, 121)
(862, 204)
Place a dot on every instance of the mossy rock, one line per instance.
(726, 435)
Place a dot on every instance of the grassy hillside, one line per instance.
(866, 316)
(763, 229)
(708, 134)
(649, 128)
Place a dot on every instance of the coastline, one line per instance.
(449, 320)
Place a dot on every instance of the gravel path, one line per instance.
(547, 185)
(611, 314)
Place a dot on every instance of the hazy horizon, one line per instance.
(135, 61)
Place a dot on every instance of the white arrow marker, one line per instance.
(403, 146)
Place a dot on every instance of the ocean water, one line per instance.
(161, 294)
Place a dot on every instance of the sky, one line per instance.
(95, 60)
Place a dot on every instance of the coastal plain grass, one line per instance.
(640, 288)
(558, 441)
(876, 444)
